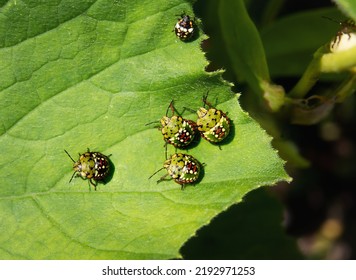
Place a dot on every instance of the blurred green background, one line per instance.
(314, 216)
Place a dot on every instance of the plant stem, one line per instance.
(310, 76)
(347, 88)
(324, 63)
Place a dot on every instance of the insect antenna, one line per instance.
(170, 107)
(189, 109)
(333, 20)
(69, 156)
(151, 123)
(205, 100)
(155, 173)
(71, 178)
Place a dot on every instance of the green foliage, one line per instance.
(243, 42)
(348, 7)
(91, 74)
(290, 41)
(245, 232)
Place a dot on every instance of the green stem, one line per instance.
(323, 63)
(340, 61)
(346, 89)
(310, 76)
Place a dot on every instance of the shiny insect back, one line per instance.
(213, 124)
(184, 28)
(93, 166)
(176, 130)
(182, 168)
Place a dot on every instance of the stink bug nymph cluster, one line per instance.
(184, 28)
(93, 166)
(213, 124)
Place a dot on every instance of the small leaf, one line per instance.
(243, 43)
(246, 52)
(291, 41)
(348, 7)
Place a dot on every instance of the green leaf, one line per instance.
(232, 235)
(348, 7)
(243, 43)
(291, 41)
(246, 52)
(91, 74)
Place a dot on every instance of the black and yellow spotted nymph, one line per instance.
(93, 166)
(176, 130)
(182, 168)
(213, 124)
(184, 28)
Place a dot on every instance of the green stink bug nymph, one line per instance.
(213, 124)
(176, 130)
(182, 168)
(93, 166)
